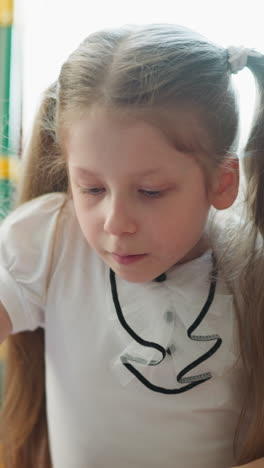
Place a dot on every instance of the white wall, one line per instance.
(53, 28)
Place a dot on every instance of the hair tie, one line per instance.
(238, 57)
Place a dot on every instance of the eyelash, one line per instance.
(97, 191)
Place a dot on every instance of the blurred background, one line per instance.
(10, 104)
(36, 36)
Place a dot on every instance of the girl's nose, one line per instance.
(119, 220)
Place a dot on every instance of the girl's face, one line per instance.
(141, 204)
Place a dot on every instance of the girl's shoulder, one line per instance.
(37, 208)
(34, 217)
(26, 250)
(30, 229)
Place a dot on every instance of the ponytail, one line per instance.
(252, 329)
(23, 429)
(44, 169)
(254, 151)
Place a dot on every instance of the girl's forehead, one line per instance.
(104, 133)
(102, 140)
(113, 149)
(100, 123)
(180, 128)
(105, 137)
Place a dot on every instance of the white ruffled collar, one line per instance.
(163, 312)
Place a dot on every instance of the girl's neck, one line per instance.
(201, 247)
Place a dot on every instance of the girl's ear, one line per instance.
(225, 184)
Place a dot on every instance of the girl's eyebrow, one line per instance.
(85, 171)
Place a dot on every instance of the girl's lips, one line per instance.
(127, 259)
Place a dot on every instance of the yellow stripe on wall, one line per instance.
(9, 167)
(4, 167)
(6, 12)
(14, 169)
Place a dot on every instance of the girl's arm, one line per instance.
(255, 464)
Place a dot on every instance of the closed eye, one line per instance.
(151, 193)
(91, 191)
(98, 191)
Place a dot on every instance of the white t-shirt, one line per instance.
(100, 414)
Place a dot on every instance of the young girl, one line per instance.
(135, 317)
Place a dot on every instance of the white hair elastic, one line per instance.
(238, 57)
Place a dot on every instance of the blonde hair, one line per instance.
(156, 72)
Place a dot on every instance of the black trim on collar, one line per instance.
(161, 278)
(194, 380)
